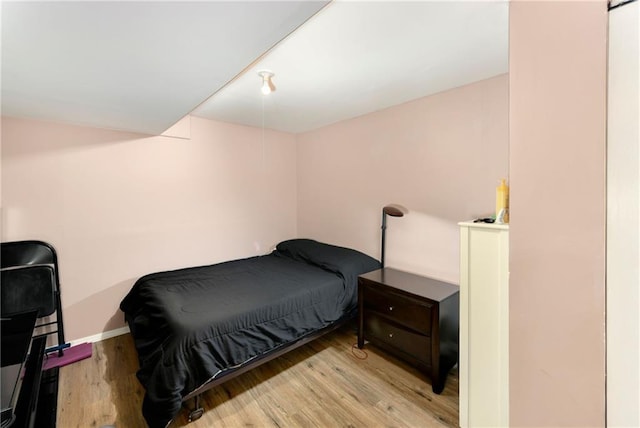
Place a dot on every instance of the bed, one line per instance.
(197, 327)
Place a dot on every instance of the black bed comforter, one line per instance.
(190, 325)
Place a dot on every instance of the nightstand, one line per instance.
(412, 317)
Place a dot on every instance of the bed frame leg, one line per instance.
(197, 411)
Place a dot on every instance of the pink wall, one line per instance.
(117, 206)
(440, 156)
(557, 162)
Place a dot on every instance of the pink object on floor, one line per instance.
(71, 355)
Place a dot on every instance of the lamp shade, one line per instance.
(393, 211)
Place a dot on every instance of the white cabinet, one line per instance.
(623, 218)
(484, 325)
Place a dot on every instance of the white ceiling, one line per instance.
(141, 66)
(356, 57)
(136, 66)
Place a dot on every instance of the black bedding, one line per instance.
(192, 325)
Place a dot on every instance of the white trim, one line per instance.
(101, 336)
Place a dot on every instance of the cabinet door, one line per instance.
(484, 326)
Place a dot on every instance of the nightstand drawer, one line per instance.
(411, 316)
(378, 329)
(404, 310)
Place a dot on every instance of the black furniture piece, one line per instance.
(412, 317)
(30, 282)
(21, 370)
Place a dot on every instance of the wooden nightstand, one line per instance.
(412, 317)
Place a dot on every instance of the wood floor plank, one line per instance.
(321, 384)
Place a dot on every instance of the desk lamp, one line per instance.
(393, 211)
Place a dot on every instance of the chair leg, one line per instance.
(61, 340)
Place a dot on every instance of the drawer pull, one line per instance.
(390, 308)
(390, 334)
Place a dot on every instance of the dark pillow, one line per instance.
(341, 260)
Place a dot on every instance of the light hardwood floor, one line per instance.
(321, 384)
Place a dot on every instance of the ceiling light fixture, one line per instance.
(267, 84)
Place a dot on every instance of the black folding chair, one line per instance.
(30, 282)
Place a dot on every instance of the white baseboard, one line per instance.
(101, 336)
